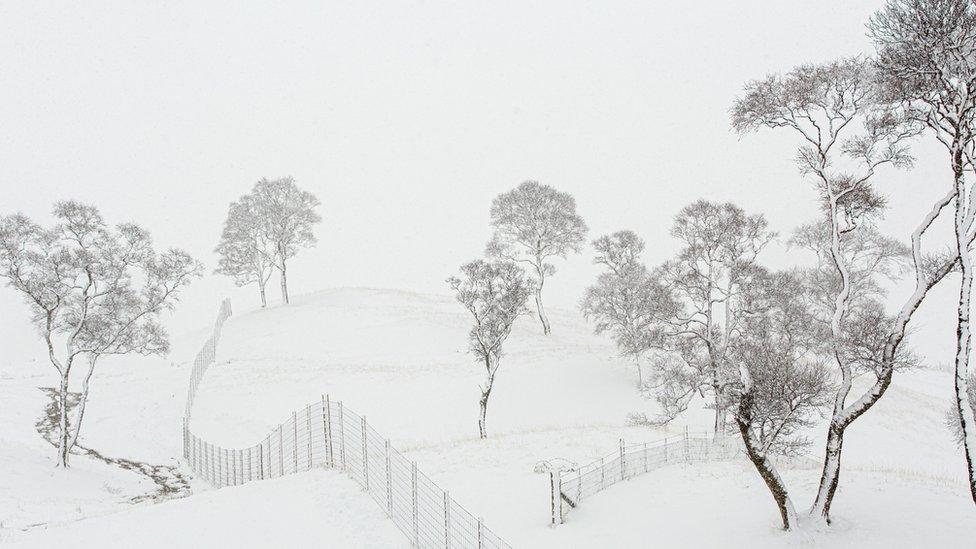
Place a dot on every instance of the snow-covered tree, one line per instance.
(927, 63)
(533, 224)
(287, 215)
(93, 290)
(625, 299)
(495, 294)
(246, 253)
(706, 278)
(846, 132)
(782, 382)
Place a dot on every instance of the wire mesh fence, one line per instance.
(328, 434)
(567, 489)
(205, 357)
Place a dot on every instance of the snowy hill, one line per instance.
(399, 358)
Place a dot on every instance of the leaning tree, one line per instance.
(495, 294)
(927, 66)
(533, 224)
(93, 290)
(782, 383)
(847, 130)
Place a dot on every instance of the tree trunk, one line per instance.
(963, 333)
(542, 311)
(264, 297)
(482, 424)
(63, 420)
(764, 467)
(640, 375)
(720, 411)
(82, 403)
(284, 282)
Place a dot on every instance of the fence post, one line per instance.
(220, 467)
(250, 463)
(413, 485)
(308, 425)
(342, 438)
(554, 503)
(579, 485)
(261, 456)
(365, 456)
(389, 483)
(623, 460)
(645, 457)
(327, 431)
(481, 527)
(294, 428)
(447, 520)
(687, 446)
(281, 452)
(603, 475)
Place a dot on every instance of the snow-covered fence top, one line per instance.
(327, 434)
(205, 357)
(630, 460)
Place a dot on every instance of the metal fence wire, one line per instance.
(567, 489)
(326, 433)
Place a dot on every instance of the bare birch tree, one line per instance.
(287, 215)
(927, 61)
(626, 301)
(782, 384)
(533, 224)
(92, 290)
(246, 254)
(721, 245)
(495, 294)
(847, 132)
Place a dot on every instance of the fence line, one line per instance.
(328, 434)
(205, 357)
(631, 460)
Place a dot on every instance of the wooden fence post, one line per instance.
(413, 484)
(687, 446)
(447, 520)
(603, 474)
(623, 460)
(553, 498)
(250, 463)
(362, 424)
(389, 481)
(294, 428)
(481, 527)
(342, 437)
(579, 485)
(327, 431)
(645, 457)
(261, 456)
(308, 425)
(281, 452)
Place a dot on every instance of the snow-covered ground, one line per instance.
(399, 359)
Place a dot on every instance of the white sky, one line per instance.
(405, 119)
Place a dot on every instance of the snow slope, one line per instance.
(399, 358)
(316, 508)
